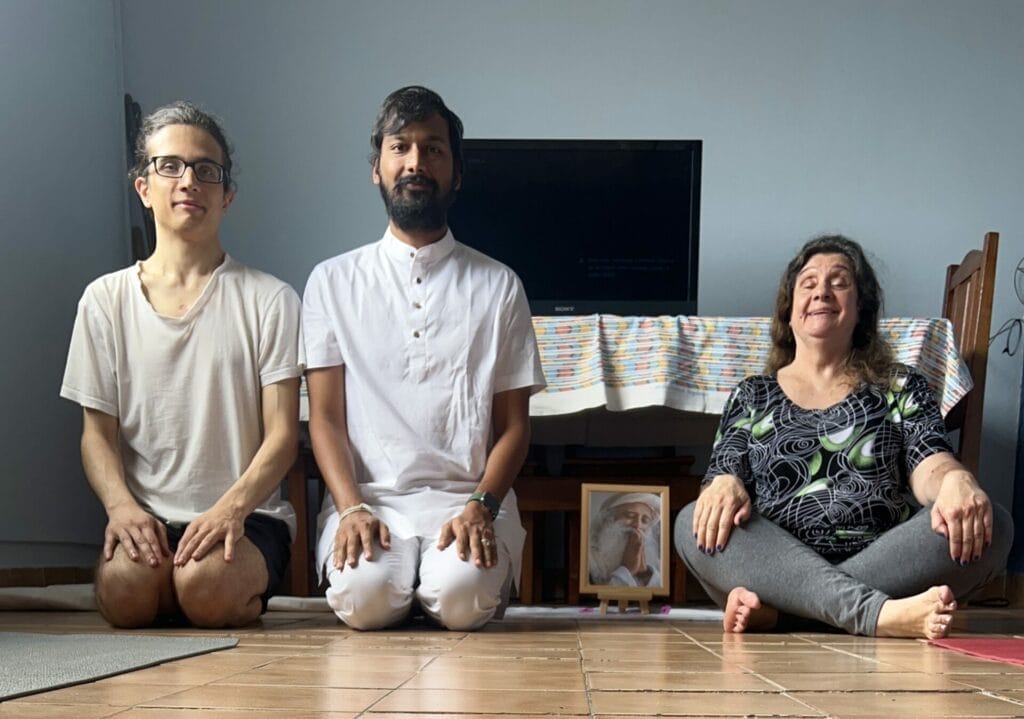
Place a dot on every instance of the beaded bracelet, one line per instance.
(361, 507)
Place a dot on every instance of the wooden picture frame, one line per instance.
(644, 509)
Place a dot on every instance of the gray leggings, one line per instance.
(791, 577)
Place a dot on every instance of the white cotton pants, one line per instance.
(455, 593)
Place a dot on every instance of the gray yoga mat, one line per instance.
(31, 663)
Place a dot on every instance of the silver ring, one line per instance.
(486, 542)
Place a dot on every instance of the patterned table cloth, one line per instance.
(693, 363)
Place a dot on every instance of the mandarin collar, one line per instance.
(401, 252)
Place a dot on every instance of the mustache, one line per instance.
(417, 179)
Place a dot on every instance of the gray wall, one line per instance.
(63, 224)
(896, 123)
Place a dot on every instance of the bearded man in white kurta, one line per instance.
(422, 359)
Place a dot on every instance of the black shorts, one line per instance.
(269, 535)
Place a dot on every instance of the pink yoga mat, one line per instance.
(1000, 650)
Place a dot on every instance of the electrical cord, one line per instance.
(1012, 329)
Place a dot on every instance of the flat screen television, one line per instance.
(590, 226)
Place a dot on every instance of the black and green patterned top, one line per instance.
(835, 478)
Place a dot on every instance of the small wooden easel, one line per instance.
(642, 598)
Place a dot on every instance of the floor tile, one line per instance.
(945, 662)
(103, 692)
(506, 680)
(195, 670)
(515, 652)
(686, 703)
(989, 682)
(274, 674)
(655, 653)
(934, 705)
(190, 713)
(432, 715)
(533, 665)
(866, 681)
(763, 664)
(645, 629)
(563, 641)
(679, 681)
(710, 664)
(24, 710)
(483, 701)
(226, 696)
(346, 664)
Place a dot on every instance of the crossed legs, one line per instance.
(903, 584)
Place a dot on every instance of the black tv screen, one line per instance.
(590, 226)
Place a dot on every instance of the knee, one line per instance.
(366, 599)
(128, 593)
(462, 603)
(1002, 536)
(682, 534)
(213, 594)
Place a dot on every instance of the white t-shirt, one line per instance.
(186, 391)
(427, 338)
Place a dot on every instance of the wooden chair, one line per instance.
(968, 306)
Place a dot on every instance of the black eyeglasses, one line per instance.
(206, 170)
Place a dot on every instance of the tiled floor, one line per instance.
(305, 665)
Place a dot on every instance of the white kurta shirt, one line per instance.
(427, 338)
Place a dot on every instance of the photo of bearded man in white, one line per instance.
(625, 540)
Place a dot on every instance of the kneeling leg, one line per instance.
(133, 594)
(457, 594)
(375, 593)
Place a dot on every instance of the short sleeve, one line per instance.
(90, 378)
(729, 455)
(518, 362)
(919, 420)
(281, 354)
(321, 343)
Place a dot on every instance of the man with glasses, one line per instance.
(422, 359)
(187, 367)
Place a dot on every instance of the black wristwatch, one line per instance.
(490, 502)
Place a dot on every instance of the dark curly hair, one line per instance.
(871, 357)
(414, 104)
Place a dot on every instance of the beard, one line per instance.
(607, 547)
(417, 211)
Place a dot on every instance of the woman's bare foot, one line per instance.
(928, 615)
(744, 612)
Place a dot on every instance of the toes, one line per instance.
(939, 626)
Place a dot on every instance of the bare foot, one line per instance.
(744, 611)
(928, 615)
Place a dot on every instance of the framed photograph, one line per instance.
(624, 548)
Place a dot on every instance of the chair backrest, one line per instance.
(967, 304)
